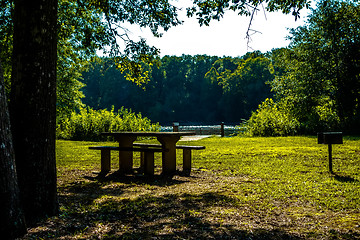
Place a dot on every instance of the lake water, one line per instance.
(229, 130)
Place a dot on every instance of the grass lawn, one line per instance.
(239, 188)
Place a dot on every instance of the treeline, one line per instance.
(197, 89)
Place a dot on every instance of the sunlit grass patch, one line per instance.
(289, 167)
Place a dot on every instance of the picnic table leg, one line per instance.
(126, 157)
(169, 158)
(148, 163)
(142, 161)
(187, 160)
(105, 161)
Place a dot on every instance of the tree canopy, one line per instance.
(318, 77)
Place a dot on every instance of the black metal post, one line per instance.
(222, 131)
(330, 158)
(176, 126)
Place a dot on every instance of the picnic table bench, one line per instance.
(147, 151)
(186, 153)
(168, 140)
(147, 157)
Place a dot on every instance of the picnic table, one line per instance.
(167, 140)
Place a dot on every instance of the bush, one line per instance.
(88, 124)
(271, 120)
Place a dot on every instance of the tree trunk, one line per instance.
(12, 223)
(33, 106)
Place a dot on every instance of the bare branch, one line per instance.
(250, 31)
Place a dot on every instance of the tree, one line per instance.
(12, 222)
(320, 76)
(6, 30)
(33, 105)
(243, 82)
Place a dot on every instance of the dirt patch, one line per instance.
(195, 138)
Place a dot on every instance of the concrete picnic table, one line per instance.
(168, 141)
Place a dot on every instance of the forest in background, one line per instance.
(190, 89)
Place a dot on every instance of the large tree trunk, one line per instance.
(33, 106)
(12, 223)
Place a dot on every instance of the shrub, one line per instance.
(271, 120)
(88, 124)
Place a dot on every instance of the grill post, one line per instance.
(330, 138)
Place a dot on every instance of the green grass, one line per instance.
(240, 188)
(290, 167)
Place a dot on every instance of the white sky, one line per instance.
(226, 37)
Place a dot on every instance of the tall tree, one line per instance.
(243, 83)
(12, 222)
(33, 105)
(320, 72)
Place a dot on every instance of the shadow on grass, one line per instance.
(155, 180)
(172, 216)
(100, 209)
(345, 179)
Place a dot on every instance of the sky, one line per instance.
(226, 37)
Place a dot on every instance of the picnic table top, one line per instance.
(148, 134)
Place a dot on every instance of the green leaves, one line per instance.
(318, 75)
(271, 119)
(243, 81)
(207, 10)
(287, 6)
(136, 61)
(88, 124)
